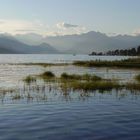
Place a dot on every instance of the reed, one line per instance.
(47, 75)
(127, 63)
(86, 77)
(93, 85)
(29, 79)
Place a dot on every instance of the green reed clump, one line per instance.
(87, 77)
(29, 79)
(47, 75)
(127, 63)
(66, 76)
(91, 77)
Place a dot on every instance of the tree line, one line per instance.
(121, 52)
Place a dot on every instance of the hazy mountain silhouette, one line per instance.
(92, 41)
(8, 44)
(83, 43)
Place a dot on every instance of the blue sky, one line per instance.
(57, 16)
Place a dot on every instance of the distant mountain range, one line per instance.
(76, 44)
(9, 45)
(92, 41)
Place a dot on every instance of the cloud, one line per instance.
(63, 25)
(136, 32)
(25, 30)
(2, 22)
(24, 27)
(21, 26)
(63, 28)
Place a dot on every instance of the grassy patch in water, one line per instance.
(47, 75)
(85, 82)
(42, 64)
(127, 63)
(87, 77)
(94, 85)
(29, 79)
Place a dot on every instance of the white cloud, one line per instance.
(63, 28)
(136, 32)
(63, 25)
(21, 26)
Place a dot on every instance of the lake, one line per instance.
(48, 113)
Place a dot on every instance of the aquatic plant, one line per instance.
(41, 64)
(93, 85)
(87, 77)
(47, 75)
(127, 63)
(29, 79)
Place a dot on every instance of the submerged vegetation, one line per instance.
(127, 63)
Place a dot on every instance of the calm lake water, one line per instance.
(53, 115)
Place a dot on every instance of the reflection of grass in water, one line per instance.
(138, 78)
(133, 86)
(16, 96)
(93, 85)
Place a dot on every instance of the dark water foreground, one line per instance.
(98, 116)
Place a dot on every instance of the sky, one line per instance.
(61, 17)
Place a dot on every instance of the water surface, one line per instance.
(54, 115)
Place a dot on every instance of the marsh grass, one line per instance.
(87, 77)
(29, 79)
(94, 85)
(47, 75)
(127, 63)
(42, 64)
(86, 82)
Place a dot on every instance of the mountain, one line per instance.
(9, 45)
(30, 38)
(81, 44)
(92, 41)
(45, 48)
